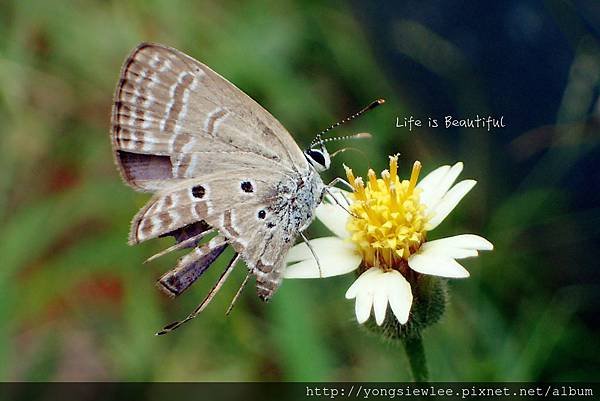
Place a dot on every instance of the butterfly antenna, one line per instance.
(342, 150)
(172, 326)
(362, 135)
(371, 106)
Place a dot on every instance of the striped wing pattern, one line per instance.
(203, 147)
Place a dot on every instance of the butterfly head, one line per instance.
(318, 158)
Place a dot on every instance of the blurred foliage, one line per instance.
(78, 304)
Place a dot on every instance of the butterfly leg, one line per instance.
(238, 293)
(183, 244)
(337, 180)
(209, 297)
(326, 189)
(334, 182)
(307, 242)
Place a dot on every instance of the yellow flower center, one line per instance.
(388, 219)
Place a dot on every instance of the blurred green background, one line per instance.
(76, 302)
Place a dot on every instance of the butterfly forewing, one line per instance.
(168, 104)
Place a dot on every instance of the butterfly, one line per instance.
(217, 164)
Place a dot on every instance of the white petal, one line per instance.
(392, 288)
(431, 180)
(380, 298)
(443, 248)
(449, 178)
(334, 217)
(362, 282)
(463, 241)
(437, 265)
(449, 252)
(299, 252)
(336, 257)
(375, 289)
(449, 202)
(364, 289)
(399, 295)
(435, 189)
(362, 307)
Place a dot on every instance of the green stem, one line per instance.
(413, 345)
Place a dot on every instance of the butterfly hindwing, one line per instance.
(251, 212)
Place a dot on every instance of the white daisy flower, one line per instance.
(385, 237)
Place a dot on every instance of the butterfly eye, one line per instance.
(318, 159)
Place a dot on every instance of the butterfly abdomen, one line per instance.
(268, 280)
(294, 205)
(265, 290)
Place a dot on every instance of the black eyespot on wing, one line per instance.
(262, 214)
(317, 156)
(198, 191)
(247, 186)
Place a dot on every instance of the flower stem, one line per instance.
(413, 345)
